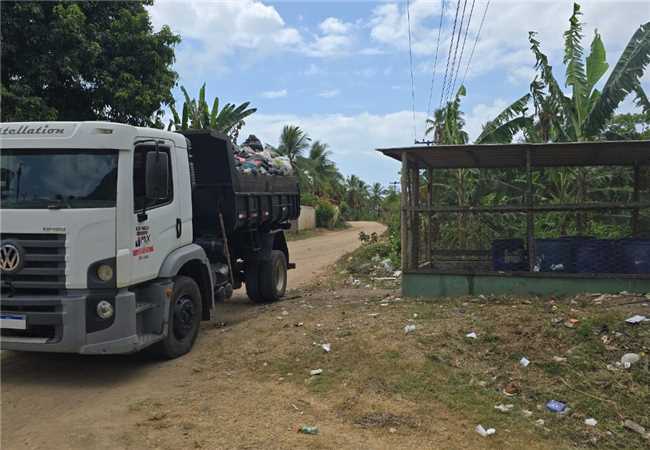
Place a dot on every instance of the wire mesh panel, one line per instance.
(588, 220)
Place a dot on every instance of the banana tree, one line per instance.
(584, 114)
(197, 115)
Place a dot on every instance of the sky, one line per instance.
(341, 70)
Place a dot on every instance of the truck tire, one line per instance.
(253, 281)
(184, 319)
(273, 277)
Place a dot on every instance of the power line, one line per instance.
(408, 18)
(462, 50)
(453, 34)
(478, 35)
(453, 64)
(435, 61)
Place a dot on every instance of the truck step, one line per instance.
(144, 340)
(141, 307)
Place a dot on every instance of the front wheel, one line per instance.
(184, 319)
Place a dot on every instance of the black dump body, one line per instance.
(247, 202)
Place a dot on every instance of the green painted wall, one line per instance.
(443, 285)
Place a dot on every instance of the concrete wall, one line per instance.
(307, 219)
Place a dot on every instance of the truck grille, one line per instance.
(43, 271)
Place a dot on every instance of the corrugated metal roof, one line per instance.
(601, 153)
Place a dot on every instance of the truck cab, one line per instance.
(98, 253)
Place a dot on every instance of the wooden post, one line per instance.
(429, 221)
(635, 199)
(530, 215)
(404, 213)
(415, 217)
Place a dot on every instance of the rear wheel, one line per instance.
(184, 319)
(252, 273)
(273, 277)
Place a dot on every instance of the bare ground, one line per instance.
(246, 385)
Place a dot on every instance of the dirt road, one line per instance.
(72, 401)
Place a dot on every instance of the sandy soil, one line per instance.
(72, 401)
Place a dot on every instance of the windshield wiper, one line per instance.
(61, 203)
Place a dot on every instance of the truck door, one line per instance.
(154, 221)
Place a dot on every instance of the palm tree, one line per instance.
(377, 197)
(293, 142)
(583, 115)
(356, 195)
(323, 171)
(197, 115)
(447, 124)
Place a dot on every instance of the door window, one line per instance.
(140, 201)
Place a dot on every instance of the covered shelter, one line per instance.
(525, 218)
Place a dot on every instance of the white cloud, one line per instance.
(352, 138)
(330, 93)
(480, 114)
(330, 45)
(503, 44)
(274, 94)
(332, 25)
(312, 70)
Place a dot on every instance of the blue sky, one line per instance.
(340, 69)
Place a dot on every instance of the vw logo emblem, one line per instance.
(11, 258)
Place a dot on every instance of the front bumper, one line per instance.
(61, 324)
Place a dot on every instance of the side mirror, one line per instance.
(157, 175)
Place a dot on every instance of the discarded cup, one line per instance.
(555, 406)
(308, 430)
(483, 432)
(524, 362)
(409, 329)
(628, 359)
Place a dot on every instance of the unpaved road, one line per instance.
(80, 402)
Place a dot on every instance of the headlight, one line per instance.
(105, 272)
(104, 309)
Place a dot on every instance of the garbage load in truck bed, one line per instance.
(247, 201)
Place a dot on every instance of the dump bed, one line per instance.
(246, 201)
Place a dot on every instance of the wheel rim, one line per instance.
(183, 317)
(280, 275)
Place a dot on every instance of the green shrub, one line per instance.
(326, 214)
(308, 199)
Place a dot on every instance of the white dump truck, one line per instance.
(116, 238)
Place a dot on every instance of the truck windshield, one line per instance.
(58, 178)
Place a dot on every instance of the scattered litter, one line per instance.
(315, 372)
(559, 359)
(601, 298)
(539, 422)
(624, 293)
(298, 324)
(409, 329)
(471, 335)
(483, 432)
(571, 323)
(356, 282)
(308, 430)
(295, 407)
(415, 315)
(555, 406)
(591, 422)
(392, 430)
(397, 273)
(504, 408)
(285, 313)
(628, 359)
(526, 413)
(327, 347)
(373, 314)
(510, 389)
(524, 362)
(637, 319)
(631, 425)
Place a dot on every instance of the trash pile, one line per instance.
(252, 158)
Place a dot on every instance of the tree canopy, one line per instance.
(85, 61)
